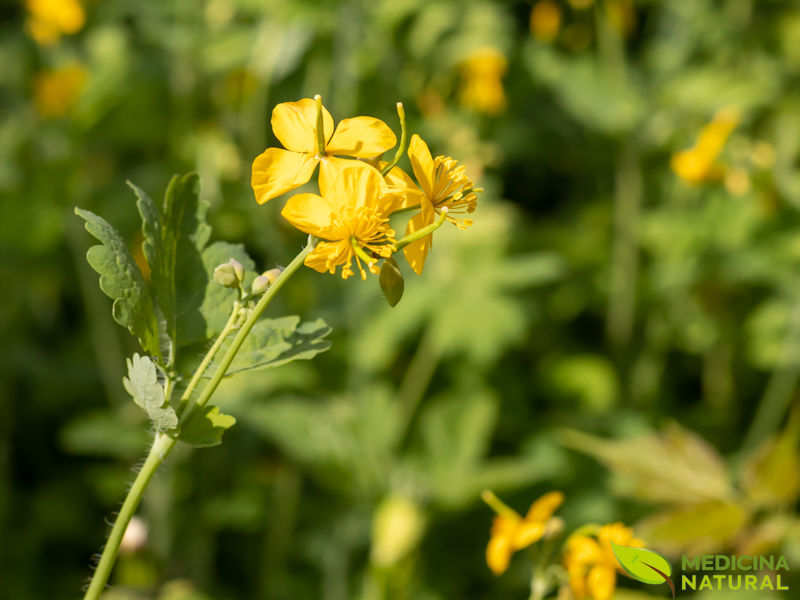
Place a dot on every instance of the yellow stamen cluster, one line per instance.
(453, 189)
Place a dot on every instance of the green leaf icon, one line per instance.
(643, 565)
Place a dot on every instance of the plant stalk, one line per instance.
(164, 443)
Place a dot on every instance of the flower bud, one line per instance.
(272, 274)
(237, 268)
(135, 536)
(260, 285)
(397, 527)
(229, 274)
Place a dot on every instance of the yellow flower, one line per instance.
(351, 216)
(277, 171)
(512, 532)
(482, 73)
(49, 19)
(545, 20)
(698, 163)
(55, 92)
(590, 561)
(444, 184)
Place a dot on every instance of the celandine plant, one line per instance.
(200, 295)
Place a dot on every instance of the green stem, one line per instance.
(212, 352)
(780, 389)
(162, 445)
(406, 209)
(259, 308)
(421, 233)
(401, 149)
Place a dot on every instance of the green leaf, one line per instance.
(274, 342)
(701, 528)
(391, 280)
(175, 234)
(771, 474)
(641, 564)
(142, 384)
(673, 466)
(121, 280)
(205, 428)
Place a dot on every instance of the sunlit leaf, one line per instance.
(143, 385)
(205, 427)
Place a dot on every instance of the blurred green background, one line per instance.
(623, 276)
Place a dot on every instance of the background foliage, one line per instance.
(598, 292)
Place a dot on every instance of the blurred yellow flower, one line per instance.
(698, 163)
(443, 183)
(621, 15)
(277, 171)
(48, 20)
(590, 561)
(545, 20)
(55, 91)
(482, 87)
(512, 532)
(351, 216)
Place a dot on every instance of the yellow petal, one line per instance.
(544, 507)
(326, 256)
(364, 137)
(422, 163)
(405, 193)
(416, 252)
(583, 550)
(498, 554)
(295, 125)
(329, 168)
(601, 582)
(355, 184)
(577, 580)
(315, 215)
(277, 171)
(528, 533)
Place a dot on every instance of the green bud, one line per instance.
(225, 274)
(260, 285)
(238, 269)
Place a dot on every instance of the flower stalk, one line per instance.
(163, 442)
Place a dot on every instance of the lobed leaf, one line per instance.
(274, 342)
(121, 280)
(175, 234)
(143, 385)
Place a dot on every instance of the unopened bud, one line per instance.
(272, 274)
(553, 528)
(229, 274)
(135, 536)
(237, 268)
(260, 285)
(397, 526)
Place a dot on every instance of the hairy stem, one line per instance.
(162, 445)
